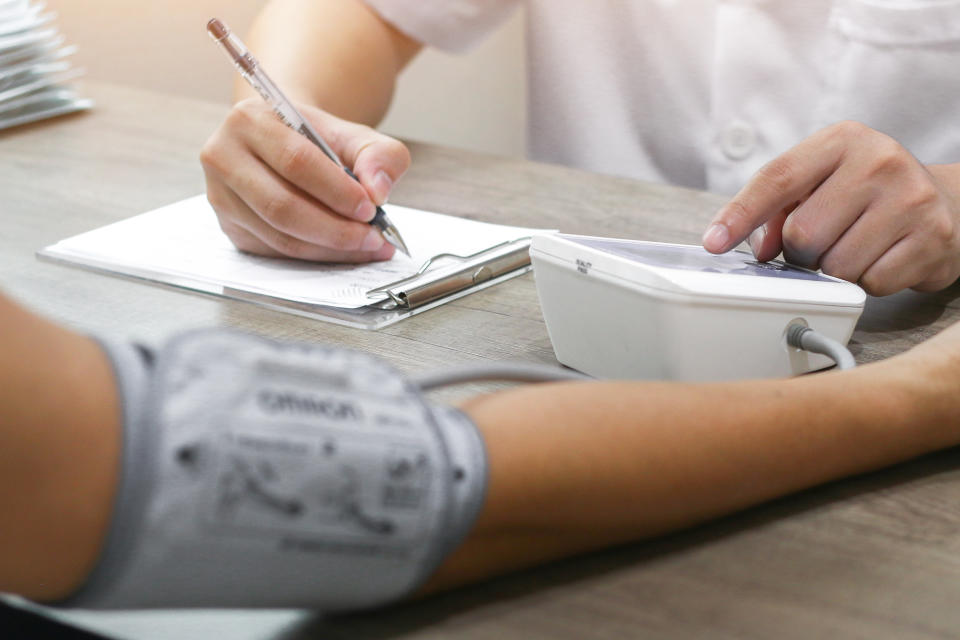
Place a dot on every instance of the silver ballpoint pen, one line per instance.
(250, 69)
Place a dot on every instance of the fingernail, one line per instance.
(373, 241)
(756, 239)
(716, 238)
(365, 210)
(382, 184)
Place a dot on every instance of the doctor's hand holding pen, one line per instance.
(854, 203)
(275, 194)
(281, 189)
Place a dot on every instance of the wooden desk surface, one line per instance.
(876, 556)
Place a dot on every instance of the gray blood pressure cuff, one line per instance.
(261, 474)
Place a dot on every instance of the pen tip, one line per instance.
(393, 237)
(217, 29)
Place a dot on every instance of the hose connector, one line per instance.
(803, 337)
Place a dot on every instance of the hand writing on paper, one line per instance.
(276, 194)
(854, 203)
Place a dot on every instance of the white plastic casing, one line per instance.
(646, 310)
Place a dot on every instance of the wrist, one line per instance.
(924, 383)
(947, 176)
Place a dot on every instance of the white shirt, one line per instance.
(701, 93)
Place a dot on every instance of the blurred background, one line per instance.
(474, 101)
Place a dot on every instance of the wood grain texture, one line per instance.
(876, 556)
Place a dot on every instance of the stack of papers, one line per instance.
(35, 66)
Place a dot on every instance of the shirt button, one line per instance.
(738, 140)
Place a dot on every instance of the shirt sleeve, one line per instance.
(449, 25)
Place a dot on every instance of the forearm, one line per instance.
(59, 443)
(336, 54)
(579, 467)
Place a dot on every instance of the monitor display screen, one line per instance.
(697, 259)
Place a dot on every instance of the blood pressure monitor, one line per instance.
(632, 309)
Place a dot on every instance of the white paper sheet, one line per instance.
(184, 241)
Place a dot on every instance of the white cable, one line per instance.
(807, 339)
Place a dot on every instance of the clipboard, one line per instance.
(455, 277)
(119, 250)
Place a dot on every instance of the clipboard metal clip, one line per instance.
(466, 271)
